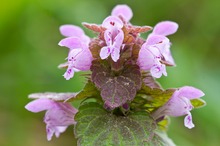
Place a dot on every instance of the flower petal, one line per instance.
(71, 43)
(158, 70)
(83, 60)
(108, 37)
(145, 58)
(62, 114)
(165, 28)
(115, 54)
(54, 130)
(124, 11)
(39, 105)
(60, 129)
(105, 52)
(118, 40)
(73, 55)
(178, 106)
(190, 92)
(71, 30)
(154, 39)
(69, 73)
(188, 121)
(111, 21)
(50, 131)
(167, 53)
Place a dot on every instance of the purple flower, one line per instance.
(179, 105)
(113, 36)
(80, 57)
(124, 11)
(150, 56)
(155, 52)
(78, 60)
(58, 115)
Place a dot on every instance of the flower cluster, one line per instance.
(123, 69)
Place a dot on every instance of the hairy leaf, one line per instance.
(161, 139)
(95, 47)
(94, 27)
(135, 50)
(116, 88)
(155, 97)
(140, 29)
(149, 80)
(96, 127)
(54, 96)
(88, 91)
(128, 38)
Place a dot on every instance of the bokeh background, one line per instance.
(29, 56)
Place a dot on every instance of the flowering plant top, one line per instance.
(130, 107)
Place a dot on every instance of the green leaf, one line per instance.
(197, 103)
(88, 91)
(97, 127)
(155, 97)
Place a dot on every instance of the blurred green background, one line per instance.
(29, 57)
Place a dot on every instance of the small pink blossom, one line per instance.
(179, 105)
(113, 37)
(80, 57)
(58, 115)
(157, 42)
(150, 57)
(78, 60)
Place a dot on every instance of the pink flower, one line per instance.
(113, 37)
(80, 57)
(124, 11)
(58, 115)
(150, 56)
(155, 52)
(179, 105)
